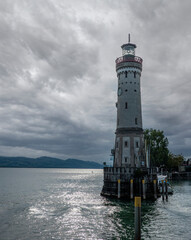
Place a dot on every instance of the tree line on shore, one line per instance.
(160, 156)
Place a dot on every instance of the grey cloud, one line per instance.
(58, 81)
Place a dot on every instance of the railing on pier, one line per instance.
(123, 173)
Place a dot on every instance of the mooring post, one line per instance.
(140, 188)
(143, 187)
(131, 189)
(137, 218)
(155, 188)
(119, 188)
(166, 189)
(163, 190)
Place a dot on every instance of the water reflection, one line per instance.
(123, 216)
(160, 219)
(66, 204)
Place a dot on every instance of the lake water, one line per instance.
(66, 204)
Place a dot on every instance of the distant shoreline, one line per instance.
(46, 162)
(54, 167)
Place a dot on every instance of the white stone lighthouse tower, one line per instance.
(129, 143)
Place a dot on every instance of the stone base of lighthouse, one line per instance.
(131, 181)
(129, 148)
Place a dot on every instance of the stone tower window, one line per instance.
(136, 122)
(134, 74)
(126, 74)
(126, 144)
(126, 105)
(126, 159)
(137, 144)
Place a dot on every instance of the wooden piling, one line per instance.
(162, 190)
(166, 189)
(131, 189)
(137, 218)
(143, 187)
(119, 188)
(155, 188)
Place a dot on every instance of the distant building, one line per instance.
(189, 162)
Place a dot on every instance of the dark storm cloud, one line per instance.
(163, 27)
(58, 81)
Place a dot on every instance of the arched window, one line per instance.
(126, 74)
(134, 74)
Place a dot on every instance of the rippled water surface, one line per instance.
(66, 204)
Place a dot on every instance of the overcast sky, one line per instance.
(58, 82)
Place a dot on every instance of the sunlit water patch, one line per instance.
(66, 204)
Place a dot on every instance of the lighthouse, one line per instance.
(130, 175)
(129, 141)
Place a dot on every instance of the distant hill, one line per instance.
(46, 162)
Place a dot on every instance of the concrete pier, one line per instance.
(120, 184)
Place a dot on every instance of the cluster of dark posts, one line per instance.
(127, 183)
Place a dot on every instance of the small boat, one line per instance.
(161, 178)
